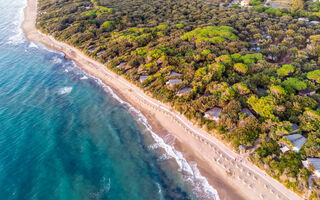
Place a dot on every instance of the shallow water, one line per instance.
(64, 135)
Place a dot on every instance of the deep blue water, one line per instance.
(64, 136)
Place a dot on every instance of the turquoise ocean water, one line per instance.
(66, 136)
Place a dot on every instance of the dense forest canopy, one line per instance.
(231, 58)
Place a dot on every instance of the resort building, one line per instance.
(295, 128)
(315, 162)
(247, 112)
(121, 65)
(174, 74)
(173, 82)
(143, 78)
(184, 91)
(261, 90)
(293, 142)
(307, 92)
(213, 114)
(303, 19)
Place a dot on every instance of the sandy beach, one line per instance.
(230, 174)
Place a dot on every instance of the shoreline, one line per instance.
(232, 180)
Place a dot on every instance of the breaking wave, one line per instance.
(191, 173)
(65, 90)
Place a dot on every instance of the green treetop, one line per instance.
(295, 83)
(213, 34)
(263, 106)
(285, 70)
(314, 75)
(108, 25)
(240, 68)
(277, 90)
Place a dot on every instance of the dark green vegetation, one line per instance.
(231, 58)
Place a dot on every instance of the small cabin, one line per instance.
(173, 82)
(303, 19)
(261, 90)
(295, 128)
(314, 22)
(174, 74)
(297, 141)
(315, 162)
(121, 65)
(92, 49)
(247, 112)
(143, 78)
(307, 92)
(184, 91)
(213, 114)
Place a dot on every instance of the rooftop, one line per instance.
(183, 91)
(142, 78)
(295, 128)
(297, 140)
(213, 114)
(173, 82)
(173, 74)
(315, 162)
(307, 92)
(246, 111)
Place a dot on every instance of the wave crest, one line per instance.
(65, 90)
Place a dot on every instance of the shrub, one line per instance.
(285, 70)
(314, 75)
(240, 68)
(212, 34)
(108, 25)
(252, 58)
(259, 8)
(162, 27)
(254, 2)
(277, 90)
(241, 88)
(217, 68)
(225, 59)
(180, 26)
(273, 11)
(263, 106)
(294, 83)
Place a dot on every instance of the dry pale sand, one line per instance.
(232, 179)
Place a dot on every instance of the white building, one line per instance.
(213, 114)
(143, 78)
(184, 91)
(174, 74)
(297, 141)
(315, 162)
(173, 82)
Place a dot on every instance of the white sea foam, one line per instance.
(153, 146)
(56, 60)
(18, 35)
(190, 173)
(65, 90)
(33, 45)
(201, 184)
(104, 189)
(84, 78)
(160, 191)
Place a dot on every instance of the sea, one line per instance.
(66, 136)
